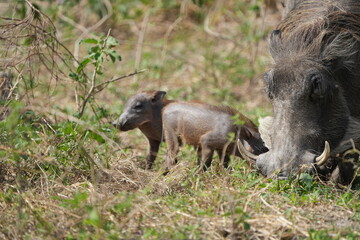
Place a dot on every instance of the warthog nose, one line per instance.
(122, 125)
(114, 123)
(119, 124)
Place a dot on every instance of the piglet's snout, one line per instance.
(120, 123)
(115, 123)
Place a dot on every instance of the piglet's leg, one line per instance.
(206, 157)
(172, 144)
(198, 155)
(226, 161)
(224, 158)
(154, 149)
(206, 151)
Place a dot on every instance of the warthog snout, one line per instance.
(285, 169)
(122, 124)
(284, 164)
(114, 123)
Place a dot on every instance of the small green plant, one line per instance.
(76, 202)
(101, 51)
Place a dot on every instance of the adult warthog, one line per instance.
(313, 86)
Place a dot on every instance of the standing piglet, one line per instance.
(143, 111)
(208, 128)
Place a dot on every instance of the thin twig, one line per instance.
(116, 79)
(207, 29)
(166, 38)
(140, 41)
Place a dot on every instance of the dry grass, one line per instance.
(213, 205)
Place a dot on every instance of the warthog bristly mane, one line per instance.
(319, 30)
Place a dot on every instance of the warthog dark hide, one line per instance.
(313, 85)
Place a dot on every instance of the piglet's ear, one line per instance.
(158, 96)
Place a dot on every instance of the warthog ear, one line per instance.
(275, 44)
(158, 96)
(275, 35)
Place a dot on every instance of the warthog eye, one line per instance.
(318, 87)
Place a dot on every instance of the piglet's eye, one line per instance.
(138, 106)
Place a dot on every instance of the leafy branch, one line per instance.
(101, 51)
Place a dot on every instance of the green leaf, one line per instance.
(97, 55)
(113, 55)
(94, 136)
(255, 8)
(14, 117)
(83, 64)
(246, 226)
(94, 218)
(78, 199)
(89, 40)
(28, 41)
(124, 206)
(94, 50)
(74, 76)
(111, 42)
(113, 59)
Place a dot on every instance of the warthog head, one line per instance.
(309, 109)
(313, 86)
(139, 109)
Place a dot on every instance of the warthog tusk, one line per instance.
(321, 160)
(248, 156)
